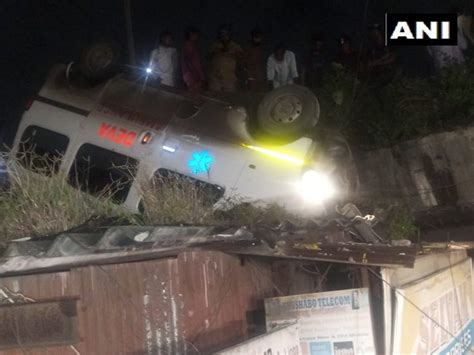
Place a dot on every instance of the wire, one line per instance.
(448, 255)
(192, 345)
(394, 289)
(323, 277)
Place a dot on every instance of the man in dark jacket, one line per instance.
(254, 62)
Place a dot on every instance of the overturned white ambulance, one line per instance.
(267, 150)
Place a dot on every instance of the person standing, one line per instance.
(347, 56)
(225, 54)
(381, 60)
(281, 67)
(254, 62)
(191, 63)
(164, 60)
(315, 63)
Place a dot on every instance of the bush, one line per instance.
(337, 97)
(379, 115)
(401, 225)
(456, 94)
(241, 213)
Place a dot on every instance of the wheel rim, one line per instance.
(286, 109)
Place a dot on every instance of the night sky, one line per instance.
(37, 33)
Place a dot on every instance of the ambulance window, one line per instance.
(41, 150)
(99, 171)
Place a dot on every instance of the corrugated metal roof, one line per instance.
(120, 244)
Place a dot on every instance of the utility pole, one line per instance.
(128, 24)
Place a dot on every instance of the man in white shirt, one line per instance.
(281, 67)
(164, 60)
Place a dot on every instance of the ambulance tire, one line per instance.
(99, 59)
(288, 112)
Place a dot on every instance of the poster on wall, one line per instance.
(330, 323)
(442, 321)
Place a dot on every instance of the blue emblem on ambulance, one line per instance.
(200, 162)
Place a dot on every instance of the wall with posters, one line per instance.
(283, 340)
(331, 323)
(446, 297)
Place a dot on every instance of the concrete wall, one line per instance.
(437, 170)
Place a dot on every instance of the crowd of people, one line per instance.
(231, 67)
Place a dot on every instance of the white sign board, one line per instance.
(425, 267)
(331, 323)
(434, 315)
(281, 341)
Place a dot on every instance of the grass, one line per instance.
(174, 200)
(45, 204)
(41, 202)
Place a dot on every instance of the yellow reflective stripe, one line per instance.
(275, 154)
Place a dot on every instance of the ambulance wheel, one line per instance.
(288, 112)
(99, 59)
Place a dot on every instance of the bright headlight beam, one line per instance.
(148, 70)
(316, 187)
(275, 154)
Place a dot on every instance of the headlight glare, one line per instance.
(316, 187)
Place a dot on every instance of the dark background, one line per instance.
(37, 33)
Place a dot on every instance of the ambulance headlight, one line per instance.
(316, 187)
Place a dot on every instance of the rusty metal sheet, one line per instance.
(196, 302)
(354, 253)
(45, 323)
(347, 253)
(223, 291)
(37, 288)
